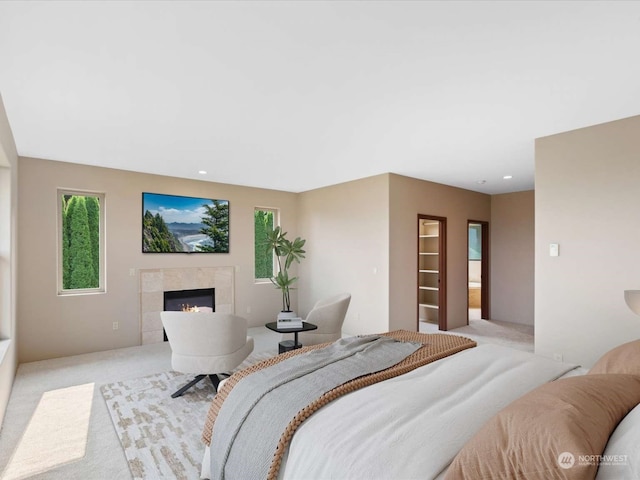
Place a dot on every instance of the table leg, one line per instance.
(287, 345)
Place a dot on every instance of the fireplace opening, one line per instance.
(189, 300)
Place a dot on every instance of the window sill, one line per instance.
(75, 293)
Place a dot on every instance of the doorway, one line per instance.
(432, 272)
(478, 270)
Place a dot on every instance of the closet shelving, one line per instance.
(428, 270)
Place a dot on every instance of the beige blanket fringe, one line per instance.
(435, 346)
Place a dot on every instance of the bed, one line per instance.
(484, 411)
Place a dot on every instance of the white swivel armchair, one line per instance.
(206, 344)
(328, 314)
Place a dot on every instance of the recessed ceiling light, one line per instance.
(481, 182)
(202, 172)
(508, 177)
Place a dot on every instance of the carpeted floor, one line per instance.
(488, 331)
(102, 456)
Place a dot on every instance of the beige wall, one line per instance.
(475, 271)
(352, 245)
(8, 254)
(587, 201)
(512, 257)
(53, 326)
(346, 227)
(407, 198)
(361, 238)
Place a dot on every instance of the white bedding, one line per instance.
(413, 425)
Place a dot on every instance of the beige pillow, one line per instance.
(622, 359)
(539, 435)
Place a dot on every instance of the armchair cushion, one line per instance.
(206, 342)
(328, 314)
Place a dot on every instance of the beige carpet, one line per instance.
(56, 435)
(508, 334)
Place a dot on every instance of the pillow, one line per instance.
(558, 430)
(620, 460)
(622, 359)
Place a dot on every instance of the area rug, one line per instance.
(160, 435)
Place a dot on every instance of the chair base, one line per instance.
(215, 380)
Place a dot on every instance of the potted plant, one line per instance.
(286, 252)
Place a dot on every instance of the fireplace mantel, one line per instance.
(154, 282)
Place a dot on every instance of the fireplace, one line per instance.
(155, 281)
(199, 299)
(177, 300)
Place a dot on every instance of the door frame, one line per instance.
(484, 269)
(442, 269)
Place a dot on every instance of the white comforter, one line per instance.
(412, 426)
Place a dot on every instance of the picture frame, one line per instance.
(181, 224)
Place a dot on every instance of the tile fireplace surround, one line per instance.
(154, 282)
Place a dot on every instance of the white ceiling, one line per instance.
(299, 95)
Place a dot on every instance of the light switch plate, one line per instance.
(554, 250)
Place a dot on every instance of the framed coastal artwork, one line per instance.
(177, 224)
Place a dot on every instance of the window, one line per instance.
(475, 241)
(80, 242)
(265, 219)
(6, 253)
